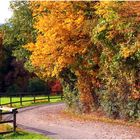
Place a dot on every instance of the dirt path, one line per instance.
(46, 119)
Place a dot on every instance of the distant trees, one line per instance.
(1, 61)
(12, 72)
(55, 87)
(17, 32)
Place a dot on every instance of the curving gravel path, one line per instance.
(47, 120)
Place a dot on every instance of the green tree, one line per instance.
(19, 31)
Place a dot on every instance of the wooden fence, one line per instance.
(8, 111)
(23, 95)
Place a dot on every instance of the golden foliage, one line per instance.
(63, 36)
(60, 36)
(64, 41)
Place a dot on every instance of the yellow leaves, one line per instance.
(135, 95)
(62, 37)
(74, 20)
(29, 46)
(101, 28)
(129, 51)
(58, 39)
(110, 35)
(80, 19)
(126, 52)
(84, 50)
(105, 9)
(68, 20)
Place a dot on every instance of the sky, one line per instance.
(5, 12)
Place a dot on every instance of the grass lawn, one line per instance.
(20, 134)
(53, 99)
(23, 135)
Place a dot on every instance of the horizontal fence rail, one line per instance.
(21, 98)
(8, 111)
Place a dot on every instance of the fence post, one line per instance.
(14, 120)
(20, 100)
(48, 98)
(10, 101)
(61, 96)
(0, 115)
(34, 98)
(0, 101)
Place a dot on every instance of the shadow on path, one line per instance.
(44, 132)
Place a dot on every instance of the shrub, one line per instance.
(36, 85)
(13, 88)
(114, 106)
(72, 100)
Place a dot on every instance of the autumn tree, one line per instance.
(63, 42)
(93, 47)
(117, 32)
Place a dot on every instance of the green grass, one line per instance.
(20, 134)
(5, 100)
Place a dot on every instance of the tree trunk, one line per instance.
(85, 92)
